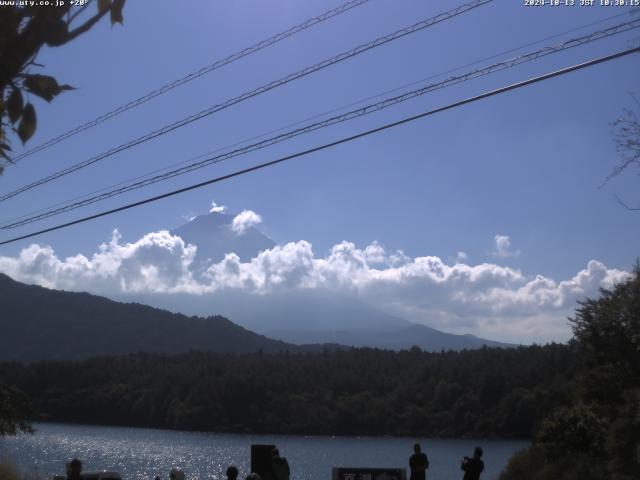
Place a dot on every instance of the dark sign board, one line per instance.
(344, 473)
(261, 459)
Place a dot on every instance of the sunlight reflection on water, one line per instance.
(139, 453)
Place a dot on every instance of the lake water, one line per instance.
(139, 453)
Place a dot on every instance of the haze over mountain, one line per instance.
(240, 265)
(298, 316)
(315, 316)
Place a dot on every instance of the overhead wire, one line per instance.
(192, 76)
(325, 146)
(250, 94)
(318, 115)
(368, 109)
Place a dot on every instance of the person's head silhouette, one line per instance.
(75, 467)
(176, 474)
(477, 452)
(232, 472)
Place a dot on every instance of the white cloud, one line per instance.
(486, 299)
(158, 262)
(461, 257)
(502, 247)
(245, 220)
(215, 208)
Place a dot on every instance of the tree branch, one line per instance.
(632, 209)
(78, 12)
(86, 25)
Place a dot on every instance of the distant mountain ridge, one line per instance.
(312, 316)
(427, 338)
(301, 316)
(38, 323)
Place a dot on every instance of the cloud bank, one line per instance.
(487, 299)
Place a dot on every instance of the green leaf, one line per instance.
(116, 12)
(43, 86)
(27, 126)
(103, 5)
(15, 105)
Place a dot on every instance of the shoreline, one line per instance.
(269, 434)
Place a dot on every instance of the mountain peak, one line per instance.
(214, 237)
(212, 219)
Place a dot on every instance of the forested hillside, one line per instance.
(38, 323)
(481, 393)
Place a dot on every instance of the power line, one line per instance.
(193, 75)
(319, 115)
(264, 88)
(504, 52)
(366, 133)
(371, 108)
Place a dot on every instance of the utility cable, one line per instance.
(314, 117)
(193, 75)
(264, 88)
(368, 109)
(325, 146)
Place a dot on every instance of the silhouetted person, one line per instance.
(232, 472)
(473, 467)
(418, 463)
(176, 474)
(279, 466)
(74, 470)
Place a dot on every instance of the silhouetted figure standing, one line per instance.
(473, 467)
(279, 466)
(418, 464)
(176, 473)
(74, 469)
(232, 472)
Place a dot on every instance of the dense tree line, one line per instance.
(15, 411)
(489, 392)
(596, 436)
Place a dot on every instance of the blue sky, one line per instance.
(526, 164)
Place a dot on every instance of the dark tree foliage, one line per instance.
(24, 30)
(15, 411)
(598, 435)
(480, 393)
